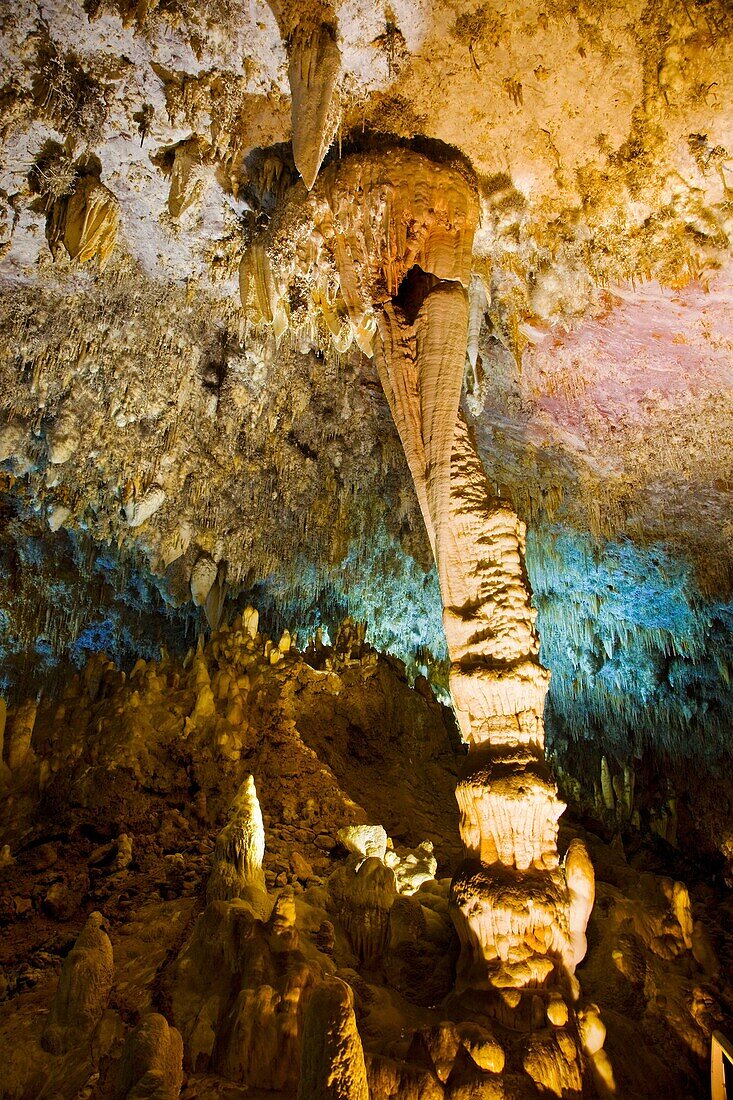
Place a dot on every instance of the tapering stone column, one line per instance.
(401, 228)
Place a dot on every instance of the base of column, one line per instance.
(513, 927)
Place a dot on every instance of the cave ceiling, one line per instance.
(183, 392)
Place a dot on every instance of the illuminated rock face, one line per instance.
(402, 230)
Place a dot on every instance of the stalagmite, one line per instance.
(240, 849)
(592, 1033)
(20, 733)
(400, 229)
(582, 891)
(361, 894)
(151, 1064)
(251, 621)
(315, 61)
(332, 1066)
(553, 1062)
(83, 990)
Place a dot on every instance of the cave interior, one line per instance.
(366, 587)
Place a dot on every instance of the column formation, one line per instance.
(520, 916)
(400, 228)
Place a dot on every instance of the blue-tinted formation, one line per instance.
(63, 597)
(638, 657)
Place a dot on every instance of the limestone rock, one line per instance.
(151, 1065)
(386, 214)
(63, 439)
(203, 576)
(263, 300)
(19, 733)
(436, 1047)
(12, 437)
(485, 1050)
(187, 177)
(413, 868)
(83, 990)
(123, 853)
(332, 1066)
(592, 1029)
(63, 898)
(3, 723)
(389, 1078)
(466, 1080)
(592, 1033)
(361, 893)
(251, 621)
(553, 1062)
(581, 881)
(239, 992)
(364, 840)
(214, 602)
(58, 516)
(137, 510)
(400, 229)
(478, 303)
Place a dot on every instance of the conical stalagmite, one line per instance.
(83, 991)
(332, 1066)
(236, 868)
